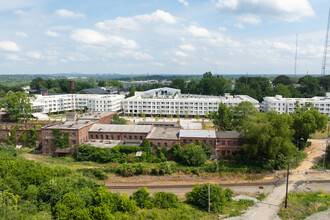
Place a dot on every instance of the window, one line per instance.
(73, 134)
(190, 141)
(135, 137)
(46, 141)
(101, 136)
(210, 142)
(141, 137)
(165, 144)
(130, 137)
(158, 144)
(46, 133)
(234, 142)
(91, 136)
(223, 142)
(204, 141)
(184, 141)
(74, 142)
(229, 142)
(118, 137)
(96, 136)
(106, 136)
(223, 152)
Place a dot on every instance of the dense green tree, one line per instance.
(268, 136)
(179, 84)
(17, 106)
(282, 79)
(211, 85)
(325, 82)
(222, 119)
(309, 86)
(283, 90)
(241, 112)
(307, 122)
(199, 197)
(118, 120)
(192, 155)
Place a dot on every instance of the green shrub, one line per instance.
(162, 169)
(127, 170)
(126, 149)
(164, 200)
(142, 198)
(94, 173)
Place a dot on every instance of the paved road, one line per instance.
(269, 208)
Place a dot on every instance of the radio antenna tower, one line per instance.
(325, 65)
(295, 58)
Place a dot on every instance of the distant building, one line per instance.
(127, 85)
(168, 101)
(287, 105)
(38, 92)
(102, 90)
(70, 102)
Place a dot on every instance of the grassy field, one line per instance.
(187, 212)
(301, 205)
(320, 135)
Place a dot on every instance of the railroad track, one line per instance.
(185, 186)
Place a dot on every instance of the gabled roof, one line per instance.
(228, 134)
(121, 128)
(197, 133)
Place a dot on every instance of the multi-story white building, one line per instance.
(70, 102)
(287, 105)
(168, 101)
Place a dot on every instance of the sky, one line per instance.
(162, 36)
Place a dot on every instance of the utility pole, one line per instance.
(326, 148)
(287, 184)
(209, 196)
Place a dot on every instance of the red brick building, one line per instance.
(76, 125)
(119, 132)
(164, 136)
(228, 142)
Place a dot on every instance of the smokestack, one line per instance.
(71, 86)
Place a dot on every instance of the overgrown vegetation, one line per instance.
(30, 190)
(301, 205)
(118, 120)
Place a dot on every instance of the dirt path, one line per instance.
(269, 208)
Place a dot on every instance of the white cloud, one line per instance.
(187, 47)
(21, 34)
(249, 18)
(34, 54)
(9, 46)
(13, 57)
(232, 4)
(88, 36)
(180, 54)
(198, 31)
(21, 12)
(10, 5)
(135, 22)
(238, 25)
(287, 10)
(51, 34)
(63, 13)
(222, 29)
(185, 3)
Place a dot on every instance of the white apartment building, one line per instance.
(168, 101)
(70, 102)
(287, 105)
